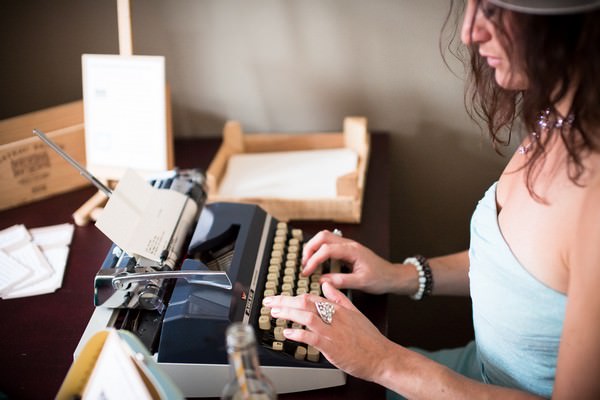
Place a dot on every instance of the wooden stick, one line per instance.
(124, 25)
(82, 215)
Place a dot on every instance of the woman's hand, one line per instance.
(351, 342)
(369, 272)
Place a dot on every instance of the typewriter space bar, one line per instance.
(209, 278)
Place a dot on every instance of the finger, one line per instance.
(302, 335)
(305, 301)
(343, 281)
(308, 318)
(330, 250)
(313, 245)
(316, 259)
(316, 242)
(331, 293)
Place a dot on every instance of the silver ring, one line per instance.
(325, 310)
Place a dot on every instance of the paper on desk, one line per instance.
(291, 174)
(11, 272)
(43, 251)
(53, 241)
(140, 219)
(16, 242)
(48, 237)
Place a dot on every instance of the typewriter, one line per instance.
(234, 255)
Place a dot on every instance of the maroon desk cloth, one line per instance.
(38, 335)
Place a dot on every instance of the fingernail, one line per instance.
(267, 301)
(288, 332)
(275, 311)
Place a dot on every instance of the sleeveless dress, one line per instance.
(518, 320)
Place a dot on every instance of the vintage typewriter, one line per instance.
(234, 255)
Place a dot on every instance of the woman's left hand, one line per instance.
(350, 342)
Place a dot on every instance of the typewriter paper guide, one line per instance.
(139, 218)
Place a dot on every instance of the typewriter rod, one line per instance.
(84, 172)
(115, 287)
(209, 278)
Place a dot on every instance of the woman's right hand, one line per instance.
(368, 271)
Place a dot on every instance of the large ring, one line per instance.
(325, 310)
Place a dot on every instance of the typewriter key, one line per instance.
(300, 353)
(312, 354)
(297, 234)
(278, 346)
(264, 322)
(278, 333)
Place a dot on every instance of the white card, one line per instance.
(33, 262)
(11, 272)
(124, 103)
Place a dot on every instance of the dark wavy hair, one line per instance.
(556, 53)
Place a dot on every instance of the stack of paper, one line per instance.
(302, 174)
(33, 262)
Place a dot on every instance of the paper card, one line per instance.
(115, 374)
(54, 243)
(41, 252)
(52, 236)
(125, 114)
(11, 272)
(31, 255)
(306, 174)
(16, 242)
(14, 236)
(140, 219)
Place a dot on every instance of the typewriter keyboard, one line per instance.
(283, 278)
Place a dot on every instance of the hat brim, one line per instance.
(548, 7)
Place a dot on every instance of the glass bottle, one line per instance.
(247, 381)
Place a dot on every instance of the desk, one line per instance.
(39, 334)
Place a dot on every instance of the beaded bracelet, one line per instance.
(425, 276)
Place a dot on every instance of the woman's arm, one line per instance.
(352, 343)
(417, 377)
(578, 366)
(373, 274)
(450, 274)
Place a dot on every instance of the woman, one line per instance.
(535, 235)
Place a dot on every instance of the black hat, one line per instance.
(548, 6)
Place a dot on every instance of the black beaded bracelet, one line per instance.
(425, 276)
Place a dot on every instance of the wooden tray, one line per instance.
(345, 207)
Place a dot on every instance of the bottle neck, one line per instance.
(244, 361)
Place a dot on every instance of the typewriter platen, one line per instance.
(236, 254)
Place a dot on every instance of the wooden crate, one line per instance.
(345, 207)
(29, 169)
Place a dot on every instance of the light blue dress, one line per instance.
(518, 320)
